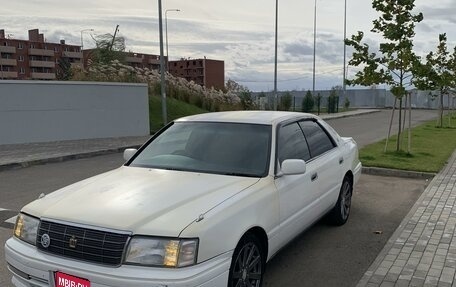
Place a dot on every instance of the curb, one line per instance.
(18, 165)
(397, 173)
(328, 117)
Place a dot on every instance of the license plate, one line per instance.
(65, 280)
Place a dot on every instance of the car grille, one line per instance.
(83, 243)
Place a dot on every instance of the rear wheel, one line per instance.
(248, 263)
(339, 214)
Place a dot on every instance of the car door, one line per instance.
(298, 194)
(327, 159)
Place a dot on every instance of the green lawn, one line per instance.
(431, 148)
(175, 109)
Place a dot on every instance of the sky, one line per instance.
(240, 32)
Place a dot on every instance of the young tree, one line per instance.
(308, 102)
(108, 48)
(285, 102)
(394, 64)
(437, 73)
(63, 71)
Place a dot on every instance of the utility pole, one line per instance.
(114, 37)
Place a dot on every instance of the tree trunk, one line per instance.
(409, 147)
(390, 125)
(441, 110)
(403, 122)
(398, 143)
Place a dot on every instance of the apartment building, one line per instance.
(132, 59)
(205, 72)
(34, 59)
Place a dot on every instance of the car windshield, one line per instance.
(210, 147)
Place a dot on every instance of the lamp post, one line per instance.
(275, 57)
(315, 45)
(166, 29)
(344, 85)
(162, 63)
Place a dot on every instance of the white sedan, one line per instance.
(207, 201)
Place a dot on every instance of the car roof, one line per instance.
(252, 117)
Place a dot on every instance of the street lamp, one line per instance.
(162, 63)
(82, 40)
(275, 57)
(344, 85)
(315, 45)
(166, 28)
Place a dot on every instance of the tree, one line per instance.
(437, 73)
(308, 102)
(285, 102)
(108, 48)
(247, 101)
(394, 64)
(333, 101)
(64, 72)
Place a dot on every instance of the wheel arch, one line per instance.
(261, 235)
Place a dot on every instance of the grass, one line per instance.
(431, 148)
(175, 109)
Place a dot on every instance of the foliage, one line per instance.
(346, 103)
(437, 73)
(318, 102)
(64, 71)
(395, 62)
(285, 102)
(247, 102)
(107, 49)
(308, 102)
(333, 101)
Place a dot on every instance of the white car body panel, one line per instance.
(216, 209)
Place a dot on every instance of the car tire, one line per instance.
(340, 213)
(248, 263)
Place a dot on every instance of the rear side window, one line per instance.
(318, 140)
(292, 144)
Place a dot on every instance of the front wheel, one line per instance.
(339, 214)
(248, 263)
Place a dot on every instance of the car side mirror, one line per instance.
(129, 153)
(293, 166)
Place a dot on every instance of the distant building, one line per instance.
(136, 60)
(34, 58)
(205, 72)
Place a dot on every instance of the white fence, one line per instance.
(41, 111)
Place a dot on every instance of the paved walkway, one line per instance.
(422, 251)
(23, 155)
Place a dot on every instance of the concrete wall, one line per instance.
(41, 111)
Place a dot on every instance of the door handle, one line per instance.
(341, 160)
(314, 177)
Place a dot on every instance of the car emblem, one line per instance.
(73, 242)
(45, 240)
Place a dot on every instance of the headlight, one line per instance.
(162, 252)
(26, 228)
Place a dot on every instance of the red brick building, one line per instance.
(205, 72)
(34, 58)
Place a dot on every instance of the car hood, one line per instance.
(139, 200)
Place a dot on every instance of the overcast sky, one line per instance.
(240, 32)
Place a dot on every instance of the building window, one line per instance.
(21, 58)
(56, 49)
(21, 71)
(32, 46)
(20, 46)
(5, 43)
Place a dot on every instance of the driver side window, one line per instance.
(292, 144)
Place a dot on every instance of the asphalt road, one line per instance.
(322, 256)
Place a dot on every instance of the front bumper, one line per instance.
(32, 268)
